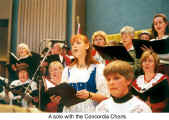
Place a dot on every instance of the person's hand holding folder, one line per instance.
(69, 96)
(83, 94)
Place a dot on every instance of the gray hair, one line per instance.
(127, 29)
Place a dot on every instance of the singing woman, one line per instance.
(85, 75)
(53, 79)
(24, 55)
(98, 39)
(160, 30)
(19, 88)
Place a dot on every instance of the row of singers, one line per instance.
(108, 85)
(84, 64)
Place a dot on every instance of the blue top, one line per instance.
(90, 85)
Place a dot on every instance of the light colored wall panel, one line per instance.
(5, 6)
(41, 19)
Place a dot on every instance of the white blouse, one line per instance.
(140, 81)
(49, 84)
(16, 83)
(99, 58)
(134, 105)
(82, 75)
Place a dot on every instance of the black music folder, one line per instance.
(67, 93)
(52, 58)
(114, 52)
(158, 46)
(34, 93)
(18, 90)
(34, 58)
(13, 58)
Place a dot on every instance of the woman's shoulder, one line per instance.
(100, 65)
(106, 102)
(164, 37)
(139, 106)
(138, 79)
(93, 52)
(16, 83)
(160, 77)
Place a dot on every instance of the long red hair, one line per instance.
(89, 58)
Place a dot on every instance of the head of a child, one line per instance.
(119, 75)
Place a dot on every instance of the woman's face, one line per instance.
(22, 52)
(118, 85)
(126, 39)
(56, 49)
(99, 41)
(144, 37)
(148, 64)
(55, 72)
(79, 48)
(159, 24)
(23, 75)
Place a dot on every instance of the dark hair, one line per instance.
(154, 32)
(23, 66)
(45, 50)
(144, 33)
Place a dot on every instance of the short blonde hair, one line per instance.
(121, 67)
(59, 44)
(57, 63)
(23, 45)
(147, 54)
(99, 33)
(127, 29)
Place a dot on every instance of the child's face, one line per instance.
(118, 85)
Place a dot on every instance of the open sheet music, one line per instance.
(67, 93)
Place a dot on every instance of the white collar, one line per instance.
(145, 86)
(164, 37)
(61, 58)
(132, 48)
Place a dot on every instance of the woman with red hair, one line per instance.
(85, 75)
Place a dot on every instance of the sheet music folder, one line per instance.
(158, 46)
(67, 93)
(114, 52)
(19, 90)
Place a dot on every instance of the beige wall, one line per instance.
(5, 9)
(40, 20)
(5, 32)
